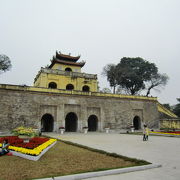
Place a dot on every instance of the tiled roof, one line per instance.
(65, 57)
(81, 64)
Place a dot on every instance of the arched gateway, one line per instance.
(92, 123)
(137, 123)
(71, 122)
(47, 123)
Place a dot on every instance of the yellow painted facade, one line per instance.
(164, 110)
(66, 75)
(62, 81)
(170, 124)
(63, 67)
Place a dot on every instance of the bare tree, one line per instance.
(158, 80)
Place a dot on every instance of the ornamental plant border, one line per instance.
(32, 154)
(164, 133)
(17, 142)
(36, 151)
(30, 157)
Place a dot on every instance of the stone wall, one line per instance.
(23, 107)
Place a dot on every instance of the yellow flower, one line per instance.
(36, 151)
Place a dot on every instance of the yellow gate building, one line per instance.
(65, 73)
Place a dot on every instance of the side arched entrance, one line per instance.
(137, 123)
(47, 123)
(92, 123)
(71, 122)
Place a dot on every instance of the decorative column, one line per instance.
(60, 117)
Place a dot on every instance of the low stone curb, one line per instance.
(33, 158)
(103, 173)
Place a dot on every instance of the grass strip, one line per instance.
(115, 155)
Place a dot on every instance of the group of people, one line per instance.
(145, 133)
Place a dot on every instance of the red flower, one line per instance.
(15, 141)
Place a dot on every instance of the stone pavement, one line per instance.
(158, 150)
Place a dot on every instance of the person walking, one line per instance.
(144, 133)
(147, 133)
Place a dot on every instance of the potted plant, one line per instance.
(85, 128)
(62, 129)
(107, 129)
(25, 133)
(132, 128)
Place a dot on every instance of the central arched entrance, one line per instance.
(71, 122)
(47, 123)
(137, 123)
(85, 88)
(92, 123)
(52, 85)
(68, 69)
(69, 87)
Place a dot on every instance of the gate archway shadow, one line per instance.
(47, 123)
(71, 122)
(92, 123)
(137, 123)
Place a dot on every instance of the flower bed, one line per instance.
(174, 132)
(166, 133)
(36, 147)
(18, 142)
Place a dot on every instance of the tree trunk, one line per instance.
(114, 89)
(132, 92)
(149, 89)
(148, 92)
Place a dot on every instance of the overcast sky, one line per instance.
(101, 31)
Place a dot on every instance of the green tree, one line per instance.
(110, 72)
(133, 73)
(5, 63)
(167, 106)
(176, 108)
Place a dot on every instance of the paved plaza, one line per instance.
(158, 150)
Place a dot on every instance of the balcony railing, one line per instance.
(66, 73)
